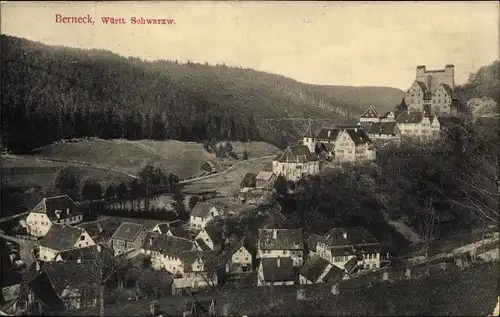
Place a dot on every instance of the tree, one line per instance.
(68, 182)
(280, 185)
(91, 190)
(192, 201)
(245, 155)
(122, 192)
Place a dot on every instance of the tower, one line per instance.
(449, 71)
(308, 139)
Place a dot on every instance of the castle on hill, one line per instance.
(433, 91)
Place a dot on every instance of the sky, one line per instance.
(326, 43)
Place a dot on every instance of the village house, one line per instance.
(370, 115)
(91, 253)
(340, 245)
(59, 209)
(389, 116)
(353, 146)
(166, 251)
(249, 181)
(63, 237)
(210, 166)
(129, 236)
(9, 299)
(101, 230)
(283, 243)
(209, 239)
(241, 257)
(265, 180)
(199, 272)
(446, 123)
(296, 162)
(318, 270)
(66, 285)
(385, 132)
(277, 271)
(201, 214)
(414, 125)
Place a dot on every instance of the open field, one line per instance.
(472, 292)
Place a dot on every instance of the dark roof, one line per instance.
(448, 121)
(245, 243)
(313, 269)
(248, 180)
(286, 239)
(264, 175)
(168, 245)
(87, 253)
(62, 275)
(358, 136)
(323, 134)
(487, 121)
(201, 210)
(62, 203)
(128, 231)
(334, 275)
(202, 244)
(273, 272)
(312, 241)
(370, 113)
(355, 236)
(296, 154)
(385, 115)
(101, 229)
(61, 237)
(163, 227)
(449, 91)
(178, 232)
(44, 290)
(410, 117)
(422, 86)
(351, 266)
(383, 128)
(189, 257)
(214, 234)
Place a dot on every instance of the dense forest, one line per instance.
(483, 83)
(52, 93)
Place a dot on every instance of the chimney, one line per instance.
(355, 129)
(151, 240)
(79, 260)
(67, 211)
(275, 234)
(98, 248)
(344, 235)
(58, 214)
(278, 262)
(37, 263)
(329, 133)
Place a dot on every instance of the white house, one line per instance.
(370, 115)
(209, 239)
(241, 257)
(201, 214)
(277, 271)
(386, 132)
(166, 251)
(318, 270)
(59, 209)
(283, 243)
(340, 245)
(353, 146)
(265, 180)
(414, 125)
(199, 271)
(63, 237)
(296, 162)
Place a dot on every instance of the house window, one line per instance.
(79, 245)
(338, 259)
(82, 238)
(284, 251)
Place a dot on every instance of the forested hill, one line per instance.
(50, 93)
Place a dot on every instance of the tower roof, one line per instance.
(309, 133)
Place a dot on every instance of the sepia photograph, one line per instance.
(249, 158)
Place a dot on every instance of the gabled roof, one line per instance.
(351, 266)
(348, 236)
(208, 258)
(296, 154)
(410, 117)
(43, 288)
(279, 270)
(128, 231)
(168, 245)
(57, 205)
(358, 136)
(449, 91)
(387, 114)
(314, 268)
(422, 86)
(201, 210)
(264, 175)
(178, 232)
(334, 275)
(370, 113)
(243, 243)
(248, 180)
(448, 121)
(101, 229)
(383, 128)
(163, 227)
(202, 244)
(214, 234)
(328, 134)
(61, 237)
(87, 253)
(286, 239)
(312, 241)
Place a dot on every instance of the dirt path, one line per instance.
(75, 163)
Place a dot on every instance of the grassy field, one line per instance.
(181, 158)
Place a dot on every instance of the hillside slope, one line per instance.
(97, 93)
